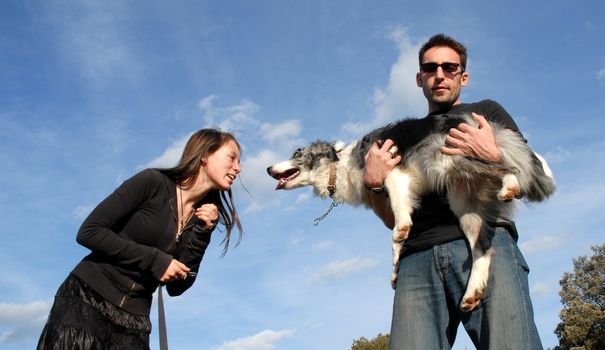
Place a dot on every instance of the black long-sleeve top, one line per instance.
(132, 236)
(434, 222)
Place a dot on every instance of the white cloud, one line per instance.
(303, 197)
(280, 132)
(236, 118)
(341, 269)
(22, 322)
(557, 155)
(171, 155)
(542, 243)
(92, 37)
(540, 289)
(324, 245)
(264, 340)
(256, 180)
(601, 74)
(82, 211)
(400, 98)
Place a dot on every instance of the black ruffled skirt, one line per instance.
(82, 319)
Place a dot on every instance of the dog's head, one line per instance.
(307, 166)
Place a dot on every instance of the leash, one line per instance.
(162, 321)
(332, 190)
(323, 216)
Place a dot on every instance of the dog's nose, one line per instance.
(269, 171)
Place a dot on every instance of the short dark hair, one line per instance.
(442, 40)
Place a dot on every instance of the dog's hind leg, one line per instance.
(471, 224)
(397, 249)
(399, 184)
(482, 253)
(510, 188)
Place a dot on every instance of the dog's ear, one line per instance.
(334, 154)
(339, 146)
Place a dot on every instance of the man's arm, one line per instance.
(378, 164)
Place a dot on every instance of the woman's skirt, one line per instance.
(82, 319)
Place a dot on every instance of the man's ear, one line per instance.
(418, 80)
(464, 79)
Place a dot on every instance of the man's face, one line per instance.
(441, 88)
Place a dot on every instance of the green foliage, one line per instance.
(381, 342)
(583, 296)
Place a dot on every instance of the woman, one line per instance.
(154, 229)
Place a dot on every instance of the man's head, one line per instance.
(442, 71)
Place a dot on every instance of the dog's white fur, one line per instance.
(425, 169)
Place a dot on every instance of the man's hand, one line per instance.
(466, 140)
(379, 163)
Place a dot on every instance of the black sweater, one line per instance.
(132, 236)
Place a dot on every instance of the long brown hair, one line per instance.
(200, 145)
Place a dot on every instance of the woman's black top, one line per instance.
(132, 236)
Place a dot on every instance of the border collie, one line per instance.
(477, 191)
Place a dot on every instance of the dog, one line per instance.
(478, 191)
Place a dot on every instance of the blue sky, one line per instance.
(93, 91)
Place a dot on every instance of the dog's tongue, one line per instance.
(281, 183)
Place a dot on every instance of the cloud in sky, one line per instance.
(601, 74)
(541, 289)
(400, 97)
(264, 340)
(91, 38)
(341, 269)
(235, 118)
(171, 155)
(21, 322)
(543, 243)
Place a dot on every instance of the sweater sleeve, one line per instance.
(100, 232)
(191, 252)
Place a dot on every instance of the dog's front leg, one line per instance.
(399, 184)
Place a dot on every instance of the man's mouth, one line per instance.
(284, 177)
(440, 88)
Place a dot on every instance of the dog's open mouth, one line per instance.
(286, 176)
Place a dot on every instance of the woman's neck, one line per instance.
(192, 193)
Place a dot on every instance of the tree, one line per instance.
(583, 296)
(381, 342)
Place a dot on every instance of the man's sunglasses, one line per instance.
(447, 67)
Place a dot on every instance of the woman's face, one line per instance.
(222, 166)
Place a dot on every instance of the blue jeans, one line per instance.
(430, 286)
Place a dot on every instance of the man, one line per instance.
(436, 261)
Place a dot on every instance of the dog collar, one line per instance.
(332, 180)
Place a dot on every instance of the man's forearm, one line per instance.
(382, 208)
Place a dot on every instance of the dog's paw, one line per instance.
(401, 232)
(510, 188)
(470, 302)
(509, 193)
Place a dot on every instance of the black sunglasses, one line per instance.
(448, 67)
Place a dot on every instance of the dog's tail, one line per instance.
(535, 177)
(543, 184)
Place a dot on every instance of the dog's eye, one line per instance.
(298, 152)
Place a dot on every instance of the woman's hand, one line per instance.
(208, 213)
(175, 271)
